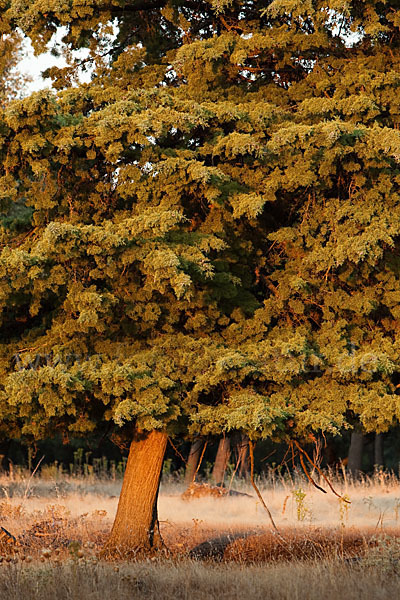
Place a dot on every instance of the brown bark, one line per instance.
(193, 461)
(243, 446)
(136, 523)
(355, 453)
(378, 450)
(221, 460)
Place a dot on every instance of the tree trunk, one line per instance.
(355, 453)
(193, 460)
(378, 450)
(221, 460)
(243, 459)
(136, 523)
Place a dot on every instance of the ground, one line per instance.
(216, 547)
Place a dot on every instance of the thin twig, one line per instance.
(302, 451)
(177, 451)
(235, 469)
(310, 479)
(29, 481)
(200, 461)
(251, 451)
(269, 456)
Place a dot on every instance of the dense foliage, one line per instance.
(205, 237)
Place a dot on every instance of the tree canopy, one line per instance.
(205, 237)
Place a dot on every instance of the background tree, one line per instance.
(221, 460)
(193, 460)
(213, 240)
(354, 463)
(379, 461)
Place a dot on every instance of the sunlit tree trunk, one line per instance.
(355, 453)
(193, 460)
(136, 523)
(221, 460)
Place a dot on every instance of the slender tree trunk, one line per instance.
(355, 453)
(378, 450)
(221, 460)
(193, 460)
(243, 447)
(136, 523)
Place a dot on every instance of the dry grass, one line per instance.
(375, 501)
(193, 580)
(328, 548)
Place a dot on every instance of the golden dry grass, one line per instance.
(55, 530)
(327, 549)
(194, 580)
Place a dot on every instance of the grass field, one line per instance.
(217, 547)
(190, 580)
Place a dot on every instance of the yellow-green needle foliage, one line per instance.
(211, 235)
(211, 238)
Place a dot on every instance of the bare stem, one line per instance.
(253, 483)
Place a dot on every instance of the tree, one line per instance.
(221, 460)
(354, 463)
(242, 459)
(378, 451)
(213, 240)
(193, 460)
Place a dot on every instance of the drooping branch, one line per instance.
(307, 474)
(316, 467)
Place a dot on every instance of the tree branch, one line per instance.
(251, 450)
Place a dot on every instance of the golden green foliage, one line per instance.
(211, 224)
(12, 81)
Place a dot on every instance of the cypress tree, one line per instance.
(213, 221)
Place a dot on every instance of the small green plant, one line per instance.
(166, 470)
(344, 508)
(302, 510)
